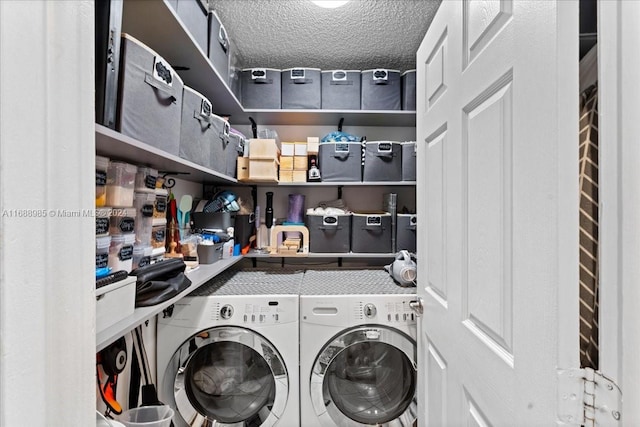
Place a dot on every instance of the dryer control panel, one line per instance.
(384, 310)
(256, 312)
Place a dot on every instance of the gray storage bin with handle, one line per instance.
(409, 90)
(329, 233)
(150, 97)
(194, 16)
(301, 88)
(232, 151)
(409, 161)
(219, 47)
(341, 90)
(406, 232)
(340, 161)
(381, 90)
(261, 88)
(197, 132)
(382, 161)
(219, 144)
(371, 233)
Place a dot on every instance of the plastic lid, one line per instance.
(102, 163)
(123, 212)
(145, 195)
(103, 242)
(144, 250)
(161, 192)
(127, 166)
(127, 239)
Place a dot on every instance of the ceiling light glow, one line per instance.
(330, 4)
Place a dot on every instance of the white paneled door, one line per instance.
(497, 185)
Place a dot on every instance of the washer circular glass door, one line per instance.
(366, 376)
(228, 376)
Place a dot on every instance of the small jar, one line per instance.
(159, 234)
(121, 178)
(146, 178)
(102, 221)
(102, 252)
(102, 165)
(122, 221)
(160, 206)
(141, 256)
(121, 252)
(144, 202)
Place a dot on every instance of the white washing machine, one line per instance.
(228, 355)
(357, 350)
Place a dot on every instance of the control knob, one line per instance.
(370, 311)
(226, 311)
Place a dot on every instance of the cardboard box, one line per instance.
(299, 176)
(286, 175)
(287, 163)
(287, 149)
(263, 170)
(243, 168)
(300, 163)
(300, 149)
(263, 149)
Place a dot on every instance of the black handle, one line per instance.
(254, 127)
(268, 214)
(340, 124)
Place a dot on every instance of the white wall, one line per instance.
(47, 275)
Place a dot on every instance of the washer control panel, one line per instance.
(381, 310)
(256, 312)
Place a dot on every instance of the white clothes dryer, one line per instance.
(228, 354)
(357, 350)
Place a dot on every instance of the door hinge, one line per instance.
(588, 398)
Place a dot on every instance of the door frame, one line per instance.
(619, 183)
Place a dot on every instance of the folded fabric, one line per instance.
(160, 282)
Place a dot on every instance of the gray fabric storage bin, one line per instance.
(219, 144)
(150, 97)
(381, 90)
(340, 161)
(329, 233)
(301, 88)
(194, 16)
(409, 161)
(235, 72)
(232, 151)
(371, 233)
(218, 47)
(382, 161)
(196, 130)
(341, 90)
(261, 88)
(406, 232)
(408, 79)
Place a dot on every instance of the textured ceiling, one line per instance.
(361, 35)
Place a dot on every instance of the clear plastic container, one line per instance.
(160, 207)
(102, 165)
(148, 416)
(144, 204)
(146, 178)
(102, 221)
(102, 252)
(121, 252)
(158, 235)
(121, 178)
(122, 221)
(141, 256)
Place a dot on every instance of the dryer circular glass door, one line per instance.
(228, 376)
(366, 376)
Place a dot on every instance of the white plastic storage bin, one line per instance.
(381, 90)
(261, 88)
(219, 46)
(382, 161)
(141, 256)
(194, 16)
(146, 178)
(408, 80)
(341, 90)
(121, 178)
(340, 161)
(102, 165)
(371, 232)
(409, 161)
(301, 88)
(121, 252)
(406, 232)
(329, 233)
(150, 98)
(143, 203)
(115, 302)
(199, 131)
